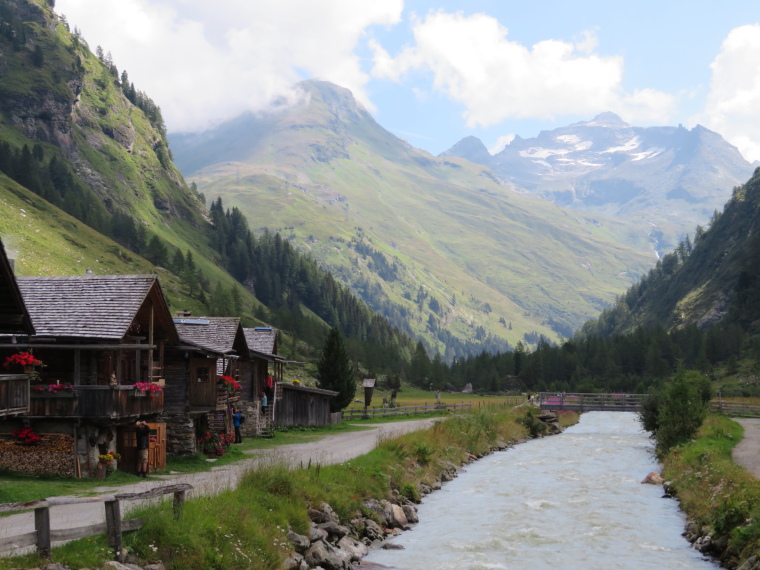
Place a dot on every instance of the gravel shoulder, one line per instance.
(327, 451)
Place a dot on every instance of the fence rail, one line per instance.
(591, 402)
(42, 536)
(349, 415)
(736, 409)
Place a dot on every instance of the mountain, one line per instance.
(87, 183)
(666, 180)
(714, 280)
(440, 246)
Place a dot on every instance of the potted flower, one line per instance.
(146, 388)
(26, 361)
(26, 436)
(229, 383)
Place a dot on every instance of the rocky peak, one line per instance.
(471, 148)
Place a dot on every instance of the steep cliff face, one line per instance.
(55, 92)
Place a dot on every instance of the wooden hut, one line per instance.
(265, 373)
(102, 340)
(302, 406)
(210, 347)
(14, 320)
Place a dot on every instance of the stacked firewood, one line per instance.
(54, 453)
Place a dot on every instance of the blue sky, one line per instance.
(435, 72)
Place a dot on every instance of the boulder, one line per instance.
(391, 546)
(293, 562)
(411, 514)
(316, 534)
(300, 542)
(323, 554)
(334, 531)
(372, 530)
(653, 478)
(353, 548)
(397, 517)
(378, 509)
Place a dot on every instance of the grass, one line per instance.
(246, 527)
(716, 493)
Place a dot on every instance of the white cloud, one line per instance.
(733, 103)
(500, 143)
(203, 62)
(473, 62)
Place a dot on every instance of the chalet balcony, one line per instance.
(14, 394)
(111, 402)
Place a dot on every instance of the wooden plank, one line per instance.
(64, 534)
(113, 524)
(19, 541)
(42, 528)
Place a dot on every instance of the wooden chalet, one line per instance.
(14, 320)
(97, 336)
(210, 347)
(262, 349)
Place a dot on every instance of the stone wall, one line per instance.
(180, 433)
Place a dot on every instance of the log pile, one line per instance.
(53, 454)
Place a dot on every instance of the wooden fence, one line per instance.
(96, 402)
(736, 409)
(591, 402)
(14, 394)
(349, 415)
(43, 537)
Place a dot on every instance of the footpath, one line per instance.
(747, 451)
(327, 451)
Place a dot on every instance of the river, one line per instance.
(573, 500)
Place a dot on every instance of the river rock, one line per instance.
(353, 548)
(316, 534)
(372, 530)
(653, 478)
(392, 546)
(334, 531)
(300, 542)
(397, 517)
(322, 554)
(410, 511)
(294, 562)
(378, 508)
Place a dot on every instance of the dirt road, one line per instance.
(327, 451)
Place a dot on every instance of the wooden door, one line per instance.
(126, 446)
(202, 389)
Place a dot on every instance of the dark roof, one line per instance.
(309, 389)
(217, 334)
(261, 339)
(14, 317)
(89, 306)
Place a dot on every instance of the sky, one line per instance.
(434, 72)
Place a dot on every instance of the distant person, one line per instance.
(143, 443)
(237, 419)
(264, 402)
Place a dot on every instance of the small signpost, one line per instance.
(369, 387)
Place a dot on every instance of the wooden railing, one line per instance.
(14, 394)
(95, 402)
(591, 402)
(349, 415)
(43, 537)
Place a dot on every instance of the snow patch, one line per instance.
(569, 139)
(627, 147)
(537, 152)
(648, 153)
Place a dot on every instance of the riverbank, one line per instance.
(247, 527)
(720, 498)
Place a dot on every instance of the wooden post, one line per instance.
(113, 526)
(179, 504)
(42, 526)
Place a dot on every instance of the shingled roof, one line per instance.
(90, 306)
(14, 318)
(217, 334)
(261, 339)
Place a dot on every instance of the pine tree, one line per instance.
(334, 371)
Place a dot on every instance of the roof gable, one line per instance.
(223, 335)
(14, 317)
(91, 306)
(262, 339)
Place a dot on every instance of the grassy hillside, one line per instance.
(438, 245)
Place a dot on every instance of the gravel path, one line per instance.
(327, 451)
(747, 451)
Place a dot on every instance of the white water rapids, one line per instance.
(573, 500)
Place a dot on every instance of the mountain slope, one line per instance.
(665, 179)
(440, 246)
(714, 280)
